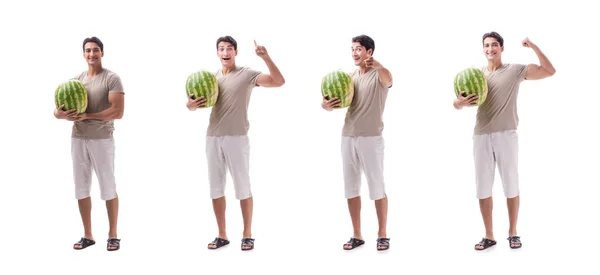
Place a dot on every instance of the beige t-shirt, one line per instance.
(365, 115)
(499, 111)
(229, 116)
(105, 83)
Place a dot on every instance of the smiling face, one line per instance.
(226, 53)
(92, 53)
(359, 53)
(492, 49)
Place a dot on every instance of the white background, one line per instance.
(301, 219)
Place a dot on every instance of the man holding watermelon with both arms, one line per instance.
(92, 141)
(362, 140)
(227, 144)
(495, 138)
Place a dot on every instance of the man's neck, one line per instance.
(94, 70)
(363, 69)
(493, 65)
(227, 70)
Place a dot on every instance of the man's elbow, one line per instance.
(546, 73)
(118, 114)
(279, 82)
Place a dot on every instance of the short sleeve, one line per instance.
(252, 76)
(521, 71)
(114, 84)
(381, 83)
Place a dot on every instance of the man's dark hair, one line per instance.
(229, 39)
(365, 41)
(93, 39)
(494, 35)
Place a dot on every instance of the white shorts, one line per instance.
(496, 148)
(99, 155)
(233, 153)
(363, 154)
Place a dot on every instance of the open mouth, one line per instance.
(226, 58)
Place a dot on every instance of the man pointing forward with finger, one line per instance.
(362, 140)
(227, 143)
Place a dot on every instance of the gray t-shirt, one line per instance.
(229, 115)
(365, 114)
(98, 89)
(499, 111)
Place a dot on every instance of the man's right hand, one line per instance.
(193, 104)
(330, 104)
(68, 115)
(468, 101)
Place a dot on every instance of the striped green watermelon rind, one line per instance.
(471, 81)
(203, 83)
(73, 95)
(338, 84)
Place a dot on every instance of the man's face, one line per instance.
(492, 48)
(226, 53)
(359, 53)
(92, 53)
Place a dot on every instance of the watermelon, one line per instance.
(471, 81)
(203, 83)
(338, 84)
(73, 95)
